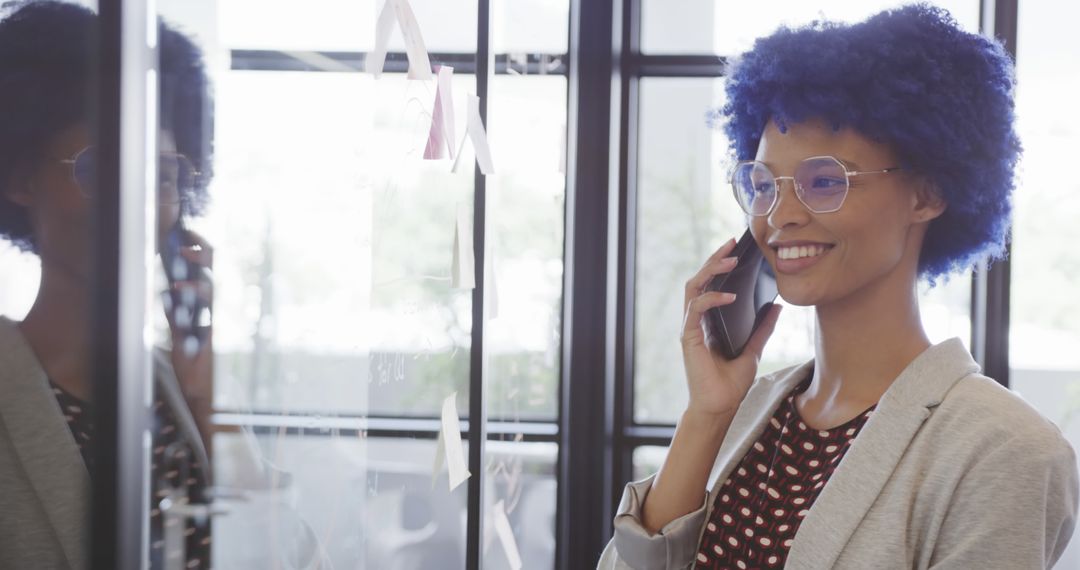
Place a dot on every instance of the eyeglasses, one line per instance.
(821, 183)
(177, 176)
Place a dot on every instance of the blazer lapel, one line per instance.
(168, 386)
(750, 420)
(875, 452)
(43, 443)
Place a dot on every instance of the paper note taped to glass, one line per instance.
(400, 12)
(449, 446)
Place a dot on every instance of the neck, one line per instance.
(57, 329)
(857, 356)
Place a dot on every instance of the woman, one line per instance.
(873, 154)
(47, 186)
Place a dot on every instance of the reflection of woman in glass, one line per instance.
(873, 154)
(47, 186)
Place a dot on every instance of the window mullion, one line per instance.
(478, 355)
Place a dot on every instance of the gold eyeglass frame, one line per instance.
(179, 156)
(799, 190)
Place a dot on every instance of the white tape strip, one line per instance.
(399, 11)
(463, 268)
(478, 135)
(506, 536)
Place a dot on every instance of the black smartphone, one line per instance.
(729, 327)
(189, 314)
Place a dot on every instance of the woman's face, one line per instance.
(872, 239)
(60, 210)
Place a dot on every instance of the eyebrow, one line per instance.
(850, 163)
(845, 161)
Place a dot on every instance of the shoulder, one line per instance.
(981, 414)
(17, 359)
(9, 331)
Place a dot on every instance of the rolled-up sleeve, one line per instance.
(633, 547)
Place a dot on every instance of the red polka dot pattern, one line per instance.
(760, 506)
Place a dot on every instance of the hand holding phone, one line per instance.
(754, 285)
(717, 385)
(186, 260)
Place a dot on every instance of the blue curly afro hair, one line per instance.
(47, 55)
(940, 97)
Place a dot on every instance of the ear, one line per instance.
(926, 202)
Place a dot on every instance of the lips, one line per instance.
(799, 251)
(795, 257)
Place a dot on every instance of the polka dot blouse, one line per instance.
(173, 466)
(760, 506)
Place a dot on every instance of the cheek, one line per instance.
(168, 216)
(62, 222)
(872, 249)
(759, 228)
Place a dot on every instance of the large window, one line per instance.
(339, 329)
(1044, 329)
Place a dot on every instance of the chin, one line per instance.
(799, 296)
(797, 301)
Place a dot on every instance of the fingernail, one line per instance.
(728, 296)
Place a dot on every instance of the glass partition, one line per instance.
(51, 282)
(341, 232)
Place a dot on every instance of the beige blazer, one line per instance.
(44, 484)
(951, 471)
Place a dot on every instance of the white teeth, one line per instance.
(800, 251)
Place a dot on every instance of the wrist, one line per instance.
(699, 421)
(198, 402)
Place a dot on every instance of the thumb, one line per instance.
(756, 344)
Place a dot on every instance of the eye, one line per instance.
(827, 182)
(763, 187)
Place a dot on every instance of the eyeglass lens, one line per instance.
(176, 175)
(820, 183)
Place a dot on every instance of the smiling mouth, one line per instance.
(801, 251)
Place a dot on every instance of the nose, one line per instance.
(788, 210)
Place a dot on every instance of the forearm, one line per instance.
(195, 375)
(201, 410)
(677, 489)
